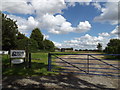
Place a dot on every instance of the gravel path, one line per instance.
(65, 81)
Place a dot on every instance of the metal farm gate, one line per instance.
(87, 64)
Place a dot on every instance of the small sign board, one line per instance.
(17, 61)
(3, 52)
(17, 53)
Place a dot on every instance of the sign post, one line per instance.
(17, 56)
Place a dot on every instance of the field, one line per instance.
(39, 67)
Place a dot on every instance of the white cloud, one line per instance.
(104, 34)
(45, 18)
(20, 7)
(97, 5)
(90, 42)
(57, 44)
(109, 13)
(34, 6)
(46, 36)
(83, 26)
(59, 25)
(70, 4)
(86, 42)
(25, 25)
(116, 31)
(48, 6)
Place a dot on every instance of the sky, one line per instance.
(68, 23)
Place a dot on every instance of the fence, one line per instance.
(90, 64)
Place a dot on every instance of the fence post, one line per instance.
(49, 62)
(29, 60)
(88, 64)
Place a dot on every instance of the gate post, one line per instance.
(49, 62)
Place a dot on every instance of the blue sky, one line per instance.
(67, 24)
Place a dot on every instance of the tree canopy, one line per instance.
(38, 37)
(113, 47)
(9, 31)
(99, 46)
(48, 45)
(13, 39)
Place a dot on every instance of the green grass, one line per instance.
(39, 67)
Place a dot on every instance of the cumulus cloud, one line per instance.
(109, 13)
(54, 24)
(48, 6)
(70, 4)
(104, 34)
(25, 25)
(86, 42)
(90, 42)
(20, 7)
(33, 6)
(116, 31)
(57, 44)
(59, 25)
(44, 16)
(83, 26)
(46, 36)
(97, 5)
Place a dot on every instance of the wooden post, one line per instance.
(26, 61)
(29, 60)
(49, 62)
(10, 62)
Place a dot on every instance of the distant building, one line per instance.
(66, 49)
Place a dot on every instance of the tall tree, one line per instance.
(0, 30)
(99, 46)
(38, 37)
(9, 31)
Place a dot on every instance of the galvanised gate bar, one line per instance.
(88, 64)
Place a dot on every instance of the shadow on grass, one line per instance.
(22, 70)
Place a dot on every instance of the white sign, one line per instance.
(3, 52)
(17, 61)
(17, 53)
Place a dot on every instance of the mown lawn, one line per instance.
(39, 67)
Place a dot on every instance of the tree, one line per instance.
(21, 36)
(113, 47)
(26, 43)
(99, 46)
(48, 45)
(0, 30)
(38, 37)
(9, 31)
